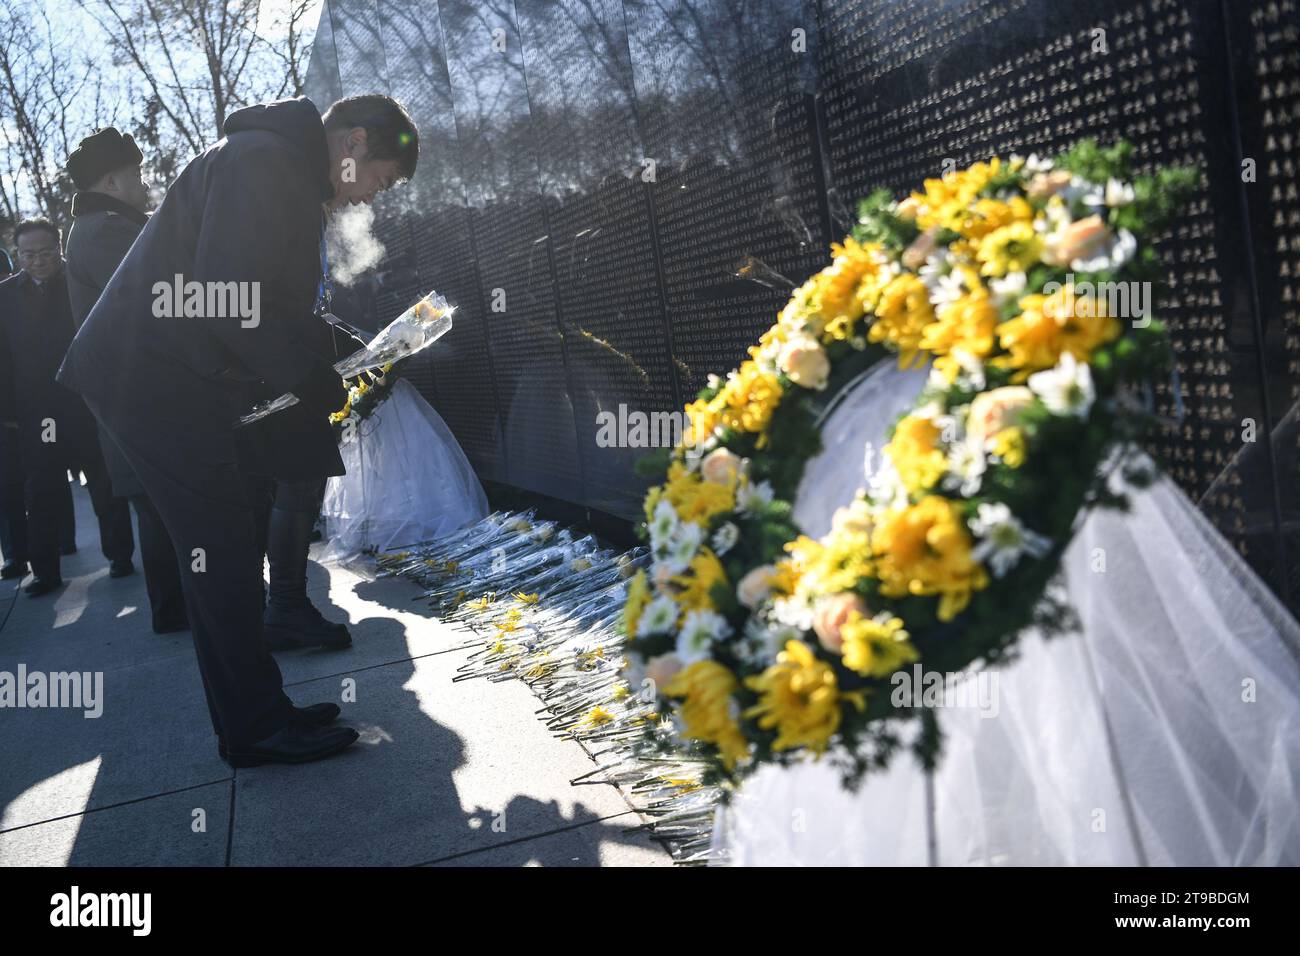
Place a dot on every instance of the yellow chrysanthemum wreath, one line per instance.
(762, 643)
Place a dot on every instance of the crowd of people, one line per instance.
(98, 378)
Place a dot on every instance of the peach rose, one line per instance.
(831, 613)
(908, 209)
(993, 411)
(804, 362)
(1081, 238)
(721, 466)
(920, 249)
(1046, 185)
(755, 586)
(663, 668)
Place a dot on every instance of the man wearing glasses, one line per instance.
(56, 432)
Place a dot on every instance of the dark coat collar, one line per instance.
(24, 280)
(88, 201)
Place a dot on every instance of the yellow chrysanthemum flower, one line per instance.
(836, 563)
(835, 296)
(986, 216)
(596, 717)
(969, 325)
(925, 549)
(1049, 326)
(748, 398)
(901, 316)
(1013, 248)
(638, 596)
(706, 688)
(875, 648)
(1009, 445)
(704, 572)
(693, 498)
(703, 418)
(798, 695)
(917, 454)
(946, 202)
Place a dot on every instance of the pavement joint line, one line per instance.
(115, 806)
(523, 839)
(230, 827)
(13, 601)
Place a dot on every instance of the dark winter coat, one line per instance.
(247, 210)
(54, 426)
(103, 229)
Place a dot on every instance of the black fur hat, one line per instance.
(102, 152)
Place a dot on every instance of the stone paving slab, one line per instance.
(447, 773)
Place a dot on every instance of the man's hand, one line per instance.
(322, 392)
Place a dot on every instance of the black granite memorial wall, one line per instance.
(616, 194)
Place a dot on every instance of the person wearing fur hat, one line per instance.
(109, 210)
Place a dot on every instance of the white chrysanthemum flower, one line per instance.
(658, 617)
(972, 370)
(1066, 389)
(685, 543)
(1003, 539)
(1118, 193)
(947, 289)
(1037, 164)
(764, 640)
(931, 410)
(1077, 191)
(792, 612)
(753, 497)
(662, 523)
(966, 466)
(885, 488)
(937, 265)
(699, 632)
(725, 538)
(1009, 288)
(1115, 254)
(1055, 219)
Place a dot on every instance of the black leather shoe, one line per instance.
(302, 627)
(121, 568)
(294, 744)
(171, 627)
(42, 586)
(12, 570)
(304, 718)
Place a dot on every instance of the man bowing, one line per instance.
(214, 301)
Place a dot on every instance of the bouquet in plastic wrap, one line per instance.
(413, 331)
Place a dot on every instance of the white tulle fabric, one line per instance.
(407, 480)
(1165, 732)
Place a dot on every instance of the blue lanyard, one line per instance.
(325, 289)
